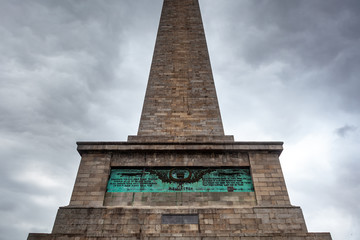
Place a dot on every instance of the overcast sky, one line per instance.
(76, 70)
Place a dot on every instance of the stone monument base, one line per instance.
(240, 223)
(262, 213)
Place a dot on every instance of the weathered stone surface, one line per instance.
(268, 179)
(261, 158)
(180, 99)
(209, 199)
(309, 236)
(232, 223)
(122, 221)
(86, 147)
(96, 214)
(91, 180)
(180, 126)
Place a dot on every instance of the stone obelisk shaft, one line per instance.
(180, 102)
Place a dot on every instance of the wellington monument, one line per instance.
(180, 177)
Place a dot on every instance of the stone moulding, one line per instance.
(188, 146)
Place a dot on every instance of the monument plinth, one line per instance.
(180, 177)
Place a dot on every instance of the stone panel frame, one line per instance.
(263, 214)
(98, 158)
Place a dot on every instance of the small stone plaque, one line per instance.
(180, 219)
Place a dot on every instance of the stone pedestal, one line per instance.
(265, 213)
(180, 127)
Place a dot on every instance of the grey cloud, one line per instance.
(318, 63)
(306, 35)
(77, 70)
(345, 130)
(289, 71)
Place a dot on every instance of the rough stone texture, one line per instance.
(180, 99)
(268, 179)
(209, 199)
(180, 158)
(180, 126)
(114, 147)
(181, 139)
(310, 236)
(147, 221)
(98, 159)
(91, 180)
(265, 213)
(214, 223)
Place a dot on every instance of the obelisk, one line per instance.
(180, 102)
(180, 177)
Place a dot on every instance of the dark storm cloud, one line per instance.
(316, 39)
(345, 130)
(77, 70)
(291, 67)
(314, 32)
(62, 67)
(56, 53)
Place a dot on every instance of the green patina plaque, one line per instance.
(180, 180)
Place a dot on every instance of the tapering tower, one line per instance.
(180, 99)
(180, 102)
(180, 177)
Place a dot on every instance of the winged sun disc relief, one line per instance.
(180, 180)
